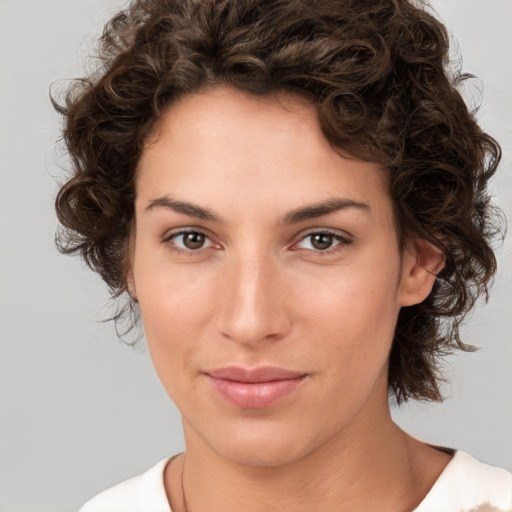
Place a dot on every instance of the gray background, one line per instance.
(79, 411)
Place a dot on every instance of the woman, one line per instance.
(294, 195)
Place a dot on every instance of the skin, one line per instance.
(258, 292)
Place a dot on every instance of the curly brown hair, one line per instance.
(377, 75)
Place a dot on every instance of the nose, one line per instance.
(252, 304)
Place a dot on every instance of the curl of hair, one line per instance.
(376, 73)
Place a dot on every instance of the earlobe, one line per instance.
(422, 261)
(130, 281)
(130, 286)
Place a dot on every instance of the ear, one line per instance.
(422, 261)
(130, 285)
(130, 281)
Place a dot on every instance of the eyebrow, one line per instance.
(189, 209)
(295, 216)
(323, 208)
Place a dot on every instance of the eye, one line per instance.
(322, 241)
(189, 241)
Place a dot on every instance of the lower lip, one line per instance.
(255, 395)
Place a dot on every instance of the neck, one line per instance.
(362, 468)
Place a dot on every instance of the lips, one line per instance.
(254, 388)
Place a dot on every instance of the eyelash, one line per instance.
(168, 241)
(342, 241)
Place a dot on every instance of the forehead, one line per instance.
(228, 147)
(224, 117)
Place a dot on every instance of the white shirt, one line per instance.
(465, 485)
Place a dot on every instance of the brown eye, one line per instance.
(322, 241)
(189, 241)
(193, 240)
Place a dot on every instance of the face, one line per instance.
(267, 270)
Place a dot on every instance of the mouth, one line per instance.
(254, 388)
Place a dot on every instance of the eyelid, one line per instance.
(172, 234)
(342, 238)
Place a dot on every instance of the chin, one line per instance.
(249, 455)
(263, 445)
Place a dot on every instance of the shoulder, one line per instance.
(138, 494)
(467, 484)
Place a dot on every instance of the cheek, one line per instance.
(176, 300)
(352, 319)
(176, 304)
(351, 300)
(169, 294)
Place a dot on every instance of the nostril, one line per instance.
(250, 323)
(250, 308)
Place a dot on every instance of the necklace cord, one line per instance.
(185, 509)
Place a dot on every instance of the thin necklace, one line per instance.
(185, 509)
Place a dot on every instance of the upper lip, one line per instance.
(262, 374)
